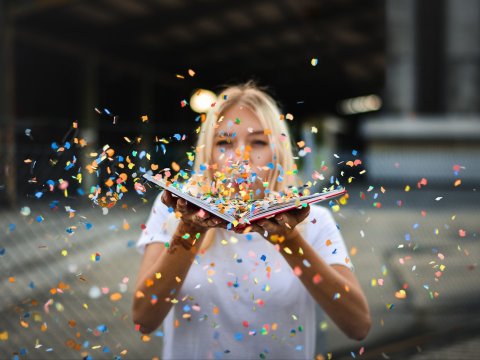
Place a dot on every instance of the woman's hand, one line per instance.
(281, 227)
(194, 220)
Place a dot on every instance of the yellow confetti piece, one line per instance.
(85, 306)
(158, 275)
(144, 118)
(287, 250)
(407, 188)
(127, 139)
(401, 294)
(4, 335)
(64, 252)
(191, 72)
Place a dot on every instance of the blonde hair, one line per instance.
(266, 109)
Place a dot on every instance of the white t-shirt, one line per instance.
(241, 299)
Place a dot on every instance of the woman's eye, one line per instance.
(259, 143)
(223, 143)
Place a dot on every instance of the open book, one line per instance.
(249, 211)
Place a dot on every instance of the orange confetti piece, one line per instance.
(4, 335)
(328, 242)
(175, 166)
(457, 182)
(11, 279)
(115, 296)
(144, 118)
(216, 310)
(146, 338)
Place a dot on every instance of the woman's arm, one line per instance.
(163, 271)
(334, 287)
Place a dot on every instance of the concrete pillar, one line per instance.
(89, 125)
(400, 48)
(8, 189)
(462, 90)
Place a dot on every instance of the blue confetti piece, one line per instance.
(186, 308)
(80, 192)
(171, 209)
(354, 152)
(31, 285)
(130, 244)
(203, 167)
(239, 261)
(159, 333)
(238, 336)
(407, 237)
(38, 194)
(142, 154)
(164, 149)
(39, 218)
(270, 165)
(178, 137)
(88, 226)
(263, 257)
(67, 145)
(106, 349)
(299, 347)
(107, 111)
(2, 251)
(249, 237)
(54, 146)
(12, 227)
(102, 328)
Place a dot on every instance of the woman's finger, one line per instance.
(168, 199)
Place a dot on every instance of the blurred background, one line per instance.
(393, 84)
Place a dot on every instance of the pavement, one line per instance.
(66, 282)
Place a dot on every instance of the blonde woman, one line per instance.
(244, 295)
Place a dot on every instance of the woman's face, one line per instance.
(239, 137)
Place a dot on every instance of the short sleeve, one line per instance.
(157, 227)
(325, 237)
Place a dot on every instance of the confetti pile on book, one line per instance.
(234, 197)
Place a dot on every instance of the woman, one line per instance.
(252, 293)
